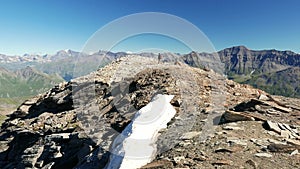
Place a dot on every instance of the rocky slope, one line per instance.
(218, 123)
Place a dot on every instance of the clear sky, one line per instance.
(46, 26)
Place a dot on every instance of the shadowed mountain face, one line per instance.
(276, 72)
(242, 61)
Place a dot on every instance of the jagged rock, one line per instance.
(295, 152)
(273, 126)
(231, 116)
(263, 97)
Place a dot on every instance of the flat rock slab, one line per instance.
(267, 155)
(190, 135)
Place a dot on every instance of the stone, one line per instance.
(275, 141)
(231, 116)
(190, 135)
(163, 164)
(229, 149)
(267, 155)
(24, 108)
(263, 97)
(57, 155)
(260, 142)
(235, 140)
(285, 134)
(295, 152)
(232, 128)
(184, 144)
(63, 136)
(14, 122)
(3, 146)
(294, 142)
(31, 101)
(200, 158)
(252, 163)
(281, 148)
(222, 162)
(272, 133)
(273, 126)
(179, 159)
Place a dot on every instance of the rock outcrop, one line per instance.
(217, 122)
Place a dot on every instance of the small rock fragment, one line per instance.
(294, 152)
(252, 163)
(267, 155)
(222, 162)
(190, 135)
(179, 159)
(229, 149)
(232, 128)
(263, 97)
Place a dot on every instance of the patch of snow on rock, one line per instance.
(136, 145)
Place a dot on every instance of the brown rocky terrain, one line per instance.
(218, 124)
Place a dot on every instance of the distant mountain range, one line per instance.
(275, 71)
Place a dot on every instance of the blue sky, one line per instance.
(46, 26)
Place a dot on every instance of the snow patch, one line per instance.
(136, 145)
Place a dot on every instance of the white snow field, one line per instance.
(135, 146)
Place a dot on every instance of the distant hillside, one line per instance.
(285, 82)
(25, 82)
(17, 86)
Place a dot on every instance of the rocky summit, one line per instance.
(218, 123)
